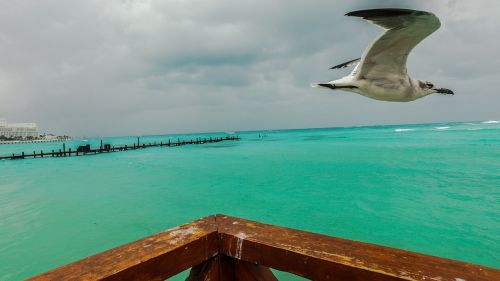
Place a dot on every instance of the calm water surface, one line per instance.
(432, 188)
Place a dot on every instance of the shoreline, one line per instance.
(30, 141)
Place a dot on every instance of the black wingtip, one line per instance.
(375, 13)
(345, 64)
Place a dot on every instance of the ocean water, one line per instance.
(430, 188)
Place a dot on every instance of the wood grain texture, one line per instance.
(224, 268)
(156, 257)
(226, 248)
(246, 271)
(321, 257)
(206, 271)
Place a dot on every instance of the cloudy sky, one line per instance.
(129, 67)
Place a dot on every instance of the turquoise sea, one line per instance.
(430, 188)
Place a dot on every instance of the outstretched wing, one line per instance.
(386, 57)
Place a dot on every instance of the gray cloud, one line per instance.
(137, 67)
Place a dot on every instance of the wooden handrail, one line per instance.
(156, 257)
(221, 247)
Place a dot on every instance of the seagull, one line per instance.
(381, 72)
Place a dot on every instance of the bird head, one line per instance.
(429, 88)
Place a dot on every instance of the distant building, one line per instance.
(18, 130)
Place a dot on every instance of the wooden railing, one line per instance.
(225, 248)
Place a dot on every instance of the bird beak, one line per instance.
(444, 91)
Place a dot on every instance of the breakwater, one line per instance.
(107, 148)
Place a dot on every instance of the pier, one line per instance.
(107, 148)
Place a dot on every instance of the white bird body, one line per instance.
(382, 89)
(381, 71)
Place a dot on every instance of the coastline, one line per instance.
(32, 141)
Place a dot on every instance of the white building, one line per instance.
(22, 130)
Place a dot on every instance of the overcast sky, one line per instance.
(89, 68)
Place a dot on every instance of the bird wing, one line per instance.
(386, 57)
(346, 64)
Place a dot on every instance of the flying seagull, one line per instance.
(381, 73)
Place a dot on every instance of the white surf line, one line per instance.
(403, 130)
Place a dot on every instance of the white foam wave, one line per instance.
(403, 130)
(441, 128)
(491, 122)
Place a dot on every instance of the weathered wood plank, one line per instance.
(246, 271)
(237, 270)
(320, 257)
(153, 258)
(206, 271)
(225, 248)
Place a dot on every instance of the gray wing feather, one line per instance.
(386, 57)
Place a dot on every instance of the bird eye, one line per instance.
(430, 85)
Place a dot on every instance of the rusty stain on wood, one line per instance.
(227, 248)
